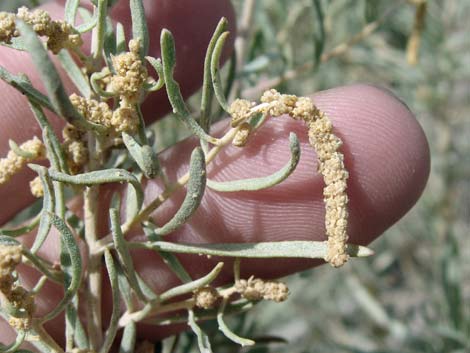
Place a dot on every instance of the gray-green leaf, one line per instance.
(22, 84)
(206, 96)
(51, 80)
(195, 192)
(75, 264)
(263, 182)
(288, 249)
(139, 26)
(215, 71)
(167, 45)
(102, 177)
(144, 156)
(123, 252)
(202, 338)
(226, 330)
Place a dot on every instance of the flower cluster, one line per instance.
(331, 166)
(13, 163)
(335, 175)
(130, 75)
(206, 297)
(16, 297)
(123, 119)
(240, 110)
(75, 149)
(326, 144)
(59, 33)
(36, 187)
(257, 289)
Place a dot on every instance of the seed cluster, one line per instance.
(13, 294)
(36, 187)
(74, 145)
(59, 34)
(257, 289)
(13, 163)
(206, 297)
(326, 145)
(130, 75)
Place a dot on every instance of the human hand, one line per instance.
(385, 152)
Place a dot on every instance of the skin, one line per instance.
(385, 150)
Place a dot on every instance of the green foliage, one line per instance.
(362, 309)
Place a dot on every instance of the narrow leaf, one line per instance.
(202, 338)
(191, 286)
(71, 7)
(22, 84)
(75, 264)
(141, 127)
(206, 96)
(37, 262)
(74, 73)
(121, 44)
(98, 33)
(54, 150)
(144, 156)
(195, 192)
(148, 292)
(232, 308)
(158, 67)
(95, 79)
(139, 26)
(20, 152)
(109, 45)
(226, 330)
(74, 326)
(167, 45)
(124, 288)
(113, 321)
(22, 230)
(289, 249)
(215, 71)
(48, 207)
(263, 182)
(128, 338)
(132, 206)
(123, 252)
(101, 177)
(51, 80)
(8, 241)
(170, 259)
(89, 21)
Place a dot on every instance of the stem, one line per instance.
(98, 33)
(137, 316)
(94, 280)
(41, 340)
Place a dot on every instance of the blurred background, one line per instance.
(414, 294)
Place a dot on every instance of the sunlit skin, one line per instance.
(386, 154)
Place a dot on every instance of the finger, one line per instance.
(386, 154)
(192, 24)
